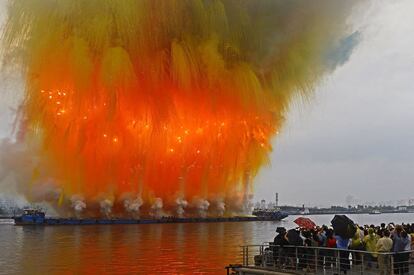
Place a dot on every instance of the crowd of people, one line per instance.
(385, 247)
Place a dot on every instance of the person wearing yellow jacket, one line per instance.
(370, 242)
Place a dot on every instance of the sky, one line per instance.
(353, 141)
(355, 137)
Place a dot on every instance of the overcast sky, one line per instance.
(355, 136)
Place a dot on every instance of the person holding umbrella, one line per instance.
(279, 252)
(295, 240)
(344, 229)
(343, 243)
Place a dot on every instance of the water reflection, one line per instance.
(139, 249)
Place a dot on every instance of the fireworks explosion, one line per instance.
(158, 106)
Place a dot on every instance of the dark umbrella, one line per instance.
(305, 223)
(343, 226)
(294, 237)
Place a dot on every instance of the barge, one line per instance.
(38, 217)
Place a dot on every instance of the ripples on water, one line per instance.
(204, 248)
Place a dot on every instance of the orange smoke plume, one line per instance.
(164, 104)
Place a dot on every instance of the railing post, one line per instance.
(392, 263)
(243, 254)
(263, 255)
(316, 258)
(296, 258)
(362, 262)
(247, 256)
(337, 261)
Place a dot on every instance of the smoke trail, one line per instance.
(106, 207)
(202, 206)
(132, 205)
(156, 208)
(78, 204)
(220, 206)
(181, 205)
(15, 167)
(154, 91)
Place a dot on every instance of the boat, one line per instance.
(272, 214)
(30, 216)
(271, 211)
(375, 212)
(305, 211)
(38, 217)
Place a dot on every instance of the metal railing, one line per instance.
(323, 260)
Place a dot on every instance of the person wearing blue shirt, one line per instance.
(343, 244)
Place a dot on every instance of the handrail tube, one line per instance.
(317, 258)
(328, 248)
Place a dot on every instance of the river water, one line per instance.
(204, 248)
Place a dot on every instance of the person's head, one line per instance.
(329, 233)
(306, 234)
(371, 231)
(398, 228)
(386, 233)
(281, 230)
(382, 225)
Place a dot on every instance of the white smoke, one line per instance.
(132, 205)
(20, 177)
(78, 204)
(156, 208)
(16, 167)
(202, 206)
(248, 204)
(106, 207)
(45, 191)
(181, 204)
(221, 207)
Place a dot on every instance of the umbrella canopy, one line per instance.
(305, 223)
(294, 237)
(343, 226)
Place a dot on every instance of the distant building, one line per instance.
(402, 208)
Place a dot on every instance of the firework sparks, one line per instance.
(157, 98)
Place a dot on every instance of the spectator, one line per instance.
(329, 253)
(384, 245)
(357, 244)
(399, 245)
(370, 242)
(279, 253)
(343, 244)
